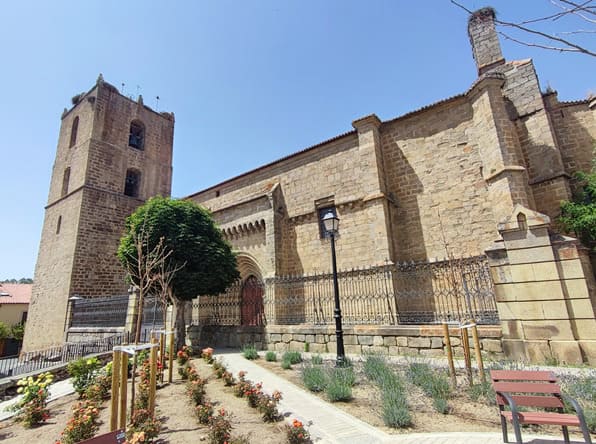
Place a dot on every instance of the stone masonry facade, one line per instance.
(437, 182)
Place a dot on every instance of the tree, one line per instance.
(538, 31)
(203, 262)
(579, 216)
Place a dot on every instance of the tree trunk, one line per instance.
(180, 323)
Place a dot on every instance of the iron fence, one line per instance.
(42, 359)
(406, 293)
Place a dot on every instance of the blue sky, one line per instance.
(248, 81)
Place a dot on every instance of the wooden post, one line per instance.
(123, 389)
(153, 377)
(478, 353)
(115, 388)
(162, 351)
(171, 357)
(465, 339)
(449, 354)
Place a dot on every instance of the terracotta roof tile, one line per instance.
(15, 293)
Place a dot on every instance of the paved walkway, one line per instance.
(328, 424)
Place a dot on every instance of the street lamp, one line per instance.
(331, 224)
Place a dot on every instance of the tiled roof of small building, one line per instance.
(15, 293)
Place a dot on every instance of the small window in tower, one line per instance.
(65, 180)
(136, 138)
(133, 180)
(58, 224)
(73, 132)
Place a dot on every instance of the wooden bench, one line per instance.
(537, 389)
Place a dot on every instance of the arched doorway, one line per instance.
(252, 309)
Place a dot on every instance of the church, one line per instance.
(477, 175)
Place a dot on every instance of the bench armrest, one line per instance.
(510, 402)
(578, 408)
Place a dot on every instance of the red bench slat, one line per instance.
(544, 418)
(523, 375)
(533, 401)
(526, 387)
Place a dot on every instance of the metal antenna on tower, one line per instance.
(123, 92)
(156, 103)
(138, 89)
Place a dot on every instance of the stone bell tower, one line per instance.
(113, 154)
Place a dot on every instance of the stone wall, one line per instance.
(425, 341)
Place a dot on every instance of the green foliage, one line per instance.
(17, 331)
(583, 389)
(314, 378)
(286, 364)
(250, 352)
(316, 360)
(83, 371)
(31, 409)
(483, 392)
(396, 413)
(293, 357)
(306, 347)
(339, 383)
(375, 367)
(579, 216)
(270, 356)
(197, 245)
(432, 382)
(590, 415)
(4, 330)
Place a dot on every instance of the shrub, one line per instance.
(207, 355)
(83, 424)
(375, 368)
(183, 355)
(483, 391)
(204, 411)
(31, 410)
(228, 378)
(296, 433)
(339, 386)
(396, 413)
(145, 424)
(316, 360)
(270, 356)
(293, 357)
(242, 385)
(314, 378)
(432, 382)
(196, 390)
(286, 364)
(99, 389)
(253, 393)
(250, 352)
(267, 405)
(219, 427)
(83, 371)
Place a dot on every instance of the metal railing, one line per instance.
(406, 293)
(42, 359)
(99, 312)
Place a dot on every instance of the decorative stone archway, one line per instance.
(252, 310)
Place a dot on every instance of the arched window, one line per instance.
(132, 183)
(136, 138)
(65, 180)
(58, 224)
(73, 132)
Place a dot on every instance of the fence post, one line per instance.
(115, 390)
(123, 390)
(132, 312)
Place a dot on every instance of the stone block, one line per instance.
(538, 352)
(280, 346)
(566, 352)
(431, 352)
(374, 349)
(296, 346)
(455, 341)
(588, 349)
(275, 337)
(378, 340)
(491, 345)
(317, 348)
(299, 337)
(580, 308)
(436, 343)
(528, 255)
(570, 269)
(419, 342)
(332, 347)
(547, 330)
(351, 339)
(310, 338)
(365, 340)
(515, 349)
(353, 349)
(393, 350)
(319, 338)
(585, 328)
(536, 310)
(286, 337)
(389, 341)
(401, 341)
(407, 351)
(529, 291)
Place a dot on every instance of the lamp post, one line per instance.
(331, 224)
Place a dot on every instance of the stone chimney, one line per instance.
(484, 40)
